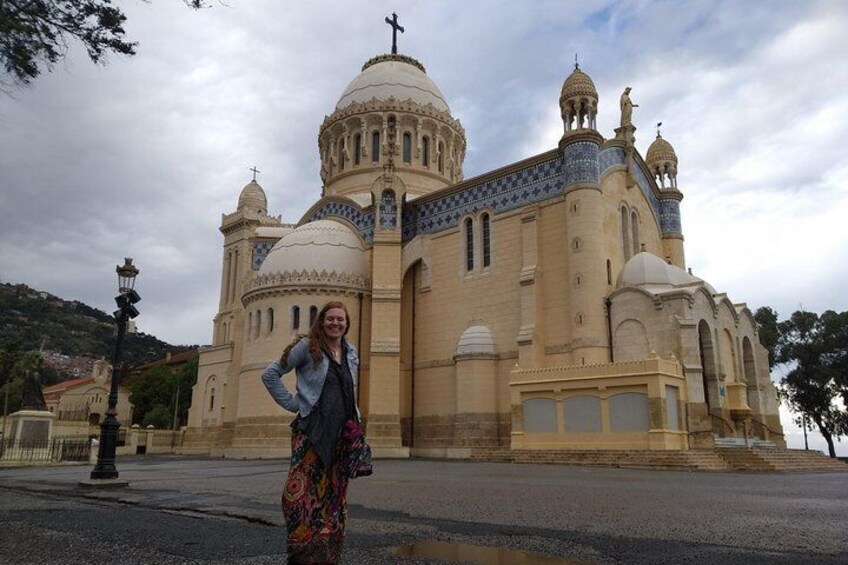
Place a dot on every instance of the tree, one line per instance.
(151, 388)
(816, 345)
(34, 34)
(769, 334)
(159, 416)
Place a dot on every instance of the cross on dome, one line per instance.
(395, 28)
(255, 170)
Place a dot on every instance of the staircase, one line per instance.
(700, 460)
(763, 457)
(770, 458)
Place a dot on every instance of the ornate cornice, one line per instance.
(278, 283)
(392, 105)
(393, 57)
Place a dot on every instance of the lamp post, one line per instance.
(126, 300)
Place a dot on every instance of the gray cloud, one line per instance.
(142, 156)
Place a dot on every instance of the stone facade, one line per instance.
(541, 305)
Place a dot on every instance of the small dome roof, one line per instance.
(393, 76)
(659, 151)
(476, 339)
(578, 85)
(253, 197)
(644, 269)
(320, 246)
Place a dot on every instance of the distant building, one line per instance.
(171, 361)
(82, 402)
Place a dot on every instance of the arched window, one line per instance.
(469, 245)
(625, 233)
(441, 157)
(211, 399)
(313, 315)
(295, 317)
(375, 146)
(341, 155)
(634, 226)
(407, 148)
(250, 326)
(357, 148)
(258, 320)
(609, 272)
(270, 321)
(425, 151)
(487, 241)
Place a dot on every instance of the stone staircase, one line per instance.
(738, 458)
(769, 458)
(700, 460)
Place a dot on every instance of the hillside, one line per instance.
(28, 317)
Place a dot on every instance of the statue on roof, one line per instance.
(627, 106)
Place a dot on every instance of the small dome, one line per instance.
(660, 151)
(253, 197)
(578, 85)
(644, 269)
(393, 76)
(476, 339)
(320, 246)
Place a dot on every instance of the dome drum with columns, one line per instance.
(542, 305)
(391, 113)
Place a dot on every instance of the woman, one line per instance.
(315, 497)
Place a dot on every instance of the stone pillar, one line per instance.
(528, 347)
(383, 419)
(585, 248)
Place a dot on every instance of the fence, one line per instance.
(45, 451)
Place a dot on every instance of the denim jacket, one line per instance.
(310, 379)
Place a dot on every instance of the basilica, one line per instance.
(542, 305)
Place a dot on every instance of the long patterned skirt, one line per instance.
(314, 505)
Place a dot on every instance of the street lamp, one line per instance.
(126, 300)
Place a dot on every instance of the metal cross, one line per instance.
(395, 27)
(255, 170)
(576, 64)
(658, 128)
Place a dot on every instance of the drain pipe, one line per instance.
(608, 303)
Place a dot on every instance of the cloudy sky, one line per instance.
(140, 157)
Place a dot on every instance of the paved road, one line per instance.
(200, 510)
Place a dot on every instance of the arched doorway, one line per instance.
(706, 350)
(749, 375)
(409, 290)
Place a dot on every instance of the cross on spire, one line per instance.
(395, 28)
(658, 129)
(576, 64)
(255, 170)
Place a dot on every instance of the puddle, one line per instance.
(479, 554)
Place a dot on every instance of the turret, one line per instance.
(578, 102)
(662, 163)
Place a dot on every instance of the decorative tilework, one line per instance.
(364, 222)
(534, 184)
(581, 163)
(668, 211)
(260, 251)
(670, 217)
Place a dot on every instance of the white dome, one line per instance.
(393, 76)
(476, 339)
(320, 246)
(644, 269)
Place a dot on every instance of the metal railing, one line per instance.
(42, 450)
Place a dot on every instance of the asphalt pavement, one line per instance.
(203, 510)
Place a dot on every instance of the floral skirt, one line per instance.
(314, 505)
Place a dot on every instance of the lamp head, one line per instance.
(126, 275)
